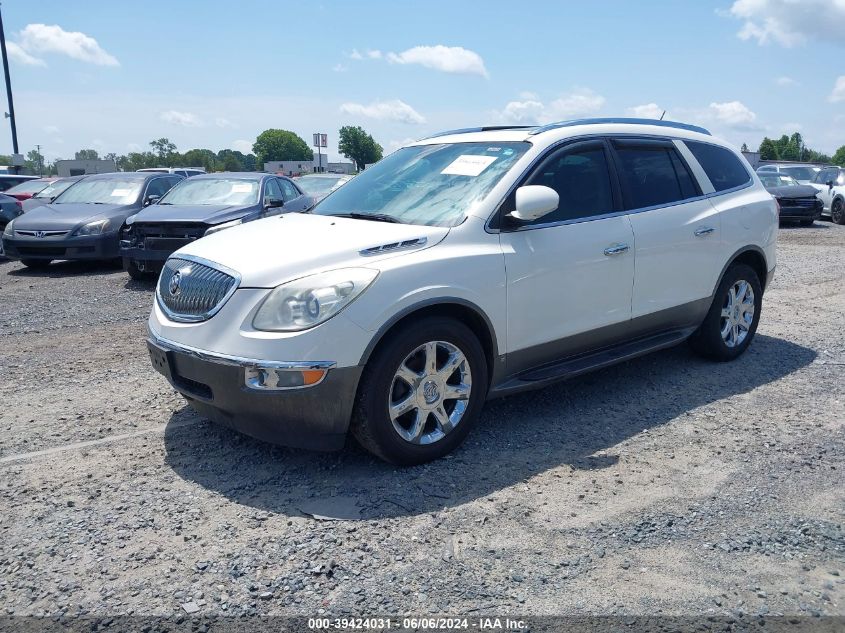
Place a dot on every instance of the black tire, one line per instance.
(837, 211)
(371, 423)
(707, 340)
(131, 268)
(36, 264)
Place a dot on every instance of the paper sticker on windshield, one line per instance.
(239, 188)
(120, 193)
(468, 165)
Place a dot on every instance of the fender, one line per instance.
(750, 248)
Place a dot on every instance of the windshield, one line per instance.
(30, 186)
(103, 191)
(435, 185)
(54, 189)
(799, 173)
(213, 191)
(778, 180)
(318, 184)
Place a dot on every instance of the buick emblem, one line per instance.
(175, 283)
(40, 233)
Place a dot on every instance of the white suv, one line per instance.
(465, 266)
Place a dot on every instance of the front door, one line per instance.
(570, 272)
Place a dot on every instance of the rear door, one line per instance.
(295, 200)
(569, 272)
(676, 230)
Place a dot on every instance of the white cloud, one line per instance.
(185, 119)
(242, 146)
(394, 110)
(447, 59)
(786, 82)
(789, 22)
(733, 113)
(340, 68)
(838, 93)
(374, 54)
(646, 111)
(224, 122)
(355, 55)
(43, 38)
(17, 54)
(50, 129)
(581, 102)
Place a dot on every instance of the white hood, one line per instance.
(272, 251)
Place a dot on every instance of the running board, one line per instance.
(583, 363)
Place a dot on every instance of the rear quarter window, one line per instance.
(722, 166)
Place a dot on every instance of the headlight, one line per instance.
(8, 231)
(92, 228)
(220, 227)
(304, 303)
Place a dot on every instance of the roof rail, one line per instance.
(486, 128)
(628, 121)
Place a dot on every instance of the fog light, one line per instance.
(273, 378)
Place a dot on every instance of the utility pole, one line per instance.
(11, 114)
(40, 161)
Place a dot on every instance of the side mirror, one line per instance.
(151, 200)
(829, 183)
(273, 203)
(533, 202)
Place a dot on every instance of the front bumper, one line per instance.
(76, 248)
(314, 417)
(798, 213)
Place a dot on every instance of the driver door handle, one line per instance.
(616, 249)
(704, 230)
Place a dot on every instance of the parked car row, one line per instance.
(806, 193)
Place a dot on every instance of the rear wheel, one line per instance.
(421, 392)
(731, 322)
(36, 264)
(837, 211)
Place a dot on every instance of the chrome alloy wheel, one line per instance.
(430, 392)
(737, 313)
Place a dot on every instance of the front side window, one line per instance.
(581, 178)
(652, 175)
(289, 192)
(103, 191)
(158, 187)
(434, 185)
(272, 191)
(722, 166)
(214, 191)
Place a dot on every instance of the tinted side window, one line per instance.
(288, 190)
(158, 187)
(722, 166)
(653, 175)
(272, 190)
(581, 177)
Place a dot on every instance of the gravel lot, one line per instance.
(666, 485)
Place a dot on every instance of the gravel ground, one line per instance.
(666, 485)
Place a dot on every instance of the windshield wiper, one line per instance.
(375, 217)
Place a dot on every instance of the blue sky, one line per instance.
(114, 75)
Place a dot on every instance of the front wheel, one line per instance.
(731, 322)
(837, 211)
(135, 273)
(421, 392)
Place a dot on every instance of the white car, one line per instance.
(804, 174)
(830, 182)
(465, 266)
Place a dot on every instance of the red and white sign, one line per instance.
(321, 140)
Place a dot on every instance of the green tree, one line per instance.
(34, 162)
(791, 151)
(358, 146)
(231, 159)
(204, 158)
(87, 154)
(839, 157)
(744, 148)
(768, 150)
(164, 150)
(276, 144)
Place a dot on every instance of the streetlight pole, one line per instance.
(11, 113)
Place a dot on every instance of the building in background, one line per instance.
(299, 167)
(66, 168)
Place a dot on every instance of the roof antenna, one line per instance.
(663, 115)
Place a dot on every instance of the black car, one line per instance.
(85, 221)
(797, 202)
(201, 205)
(10, 208)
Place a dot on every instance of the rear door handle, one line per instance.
(704, 230)
(616, 249)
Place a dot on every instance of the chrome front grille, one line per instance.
(191, 290)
